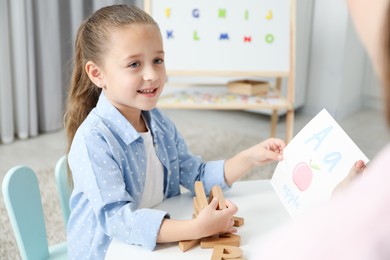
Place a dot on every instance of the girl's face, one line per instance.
(133, 71)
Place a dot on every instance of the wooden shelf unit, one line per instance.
(199, 96)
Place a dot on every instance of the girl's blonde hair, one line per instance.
(90, 45)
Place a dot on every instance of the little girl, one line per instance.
(125, 156)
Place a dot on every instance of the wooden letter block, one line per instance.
(200, 195)
(216, 191)
(188, 244)
(238, 221)
(224, 252)
(223, 239)
(196, 206)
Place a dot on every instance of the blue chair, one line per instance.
(24, 206)
(63, 186)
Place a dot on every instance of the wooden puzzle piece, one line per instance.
(216, 192)
(238, 221)
(196, 206)
(199, 202)
(200, 195)
(188, 244)
(224, 252)
(223, 239)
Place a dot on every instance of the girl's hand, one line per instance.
(260, 154)
(211, 221)
(266, 151)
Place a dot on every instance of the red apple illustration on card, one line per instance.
(303, 175)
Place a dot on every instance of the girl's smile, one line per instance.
(151, 92)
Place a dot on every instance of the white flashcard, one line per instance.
(314, 162)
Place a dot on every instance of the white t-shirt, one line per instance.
(154, 183)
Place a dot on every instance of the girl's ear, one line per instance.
(95, 74)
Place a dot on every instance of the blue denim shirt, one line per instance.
(108, 164)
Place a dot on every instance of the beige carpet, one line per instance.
(214, 140)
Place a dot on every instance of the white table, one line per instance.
(257, 203)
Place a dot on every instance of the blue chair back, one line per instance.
(63, 186)
(24, 206)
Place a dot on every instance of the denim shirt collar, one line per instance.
(118, 123)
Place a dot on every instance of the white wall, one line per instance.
(339, 77)
(303, 32)
(372, 94)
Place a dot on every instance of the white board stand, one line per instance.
(241, 39)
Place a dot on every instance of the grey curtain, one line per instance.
(36, 46)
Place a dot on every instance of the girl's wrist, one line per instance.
(196, 228)
(248, 158)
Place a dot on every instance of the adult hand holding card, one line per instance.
(315, 161)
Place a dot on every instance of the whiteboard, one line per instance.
(230, 36)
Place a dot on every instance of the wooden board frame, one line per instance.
(278, 75)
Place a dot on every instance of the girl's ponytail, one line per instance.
(83, 94)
